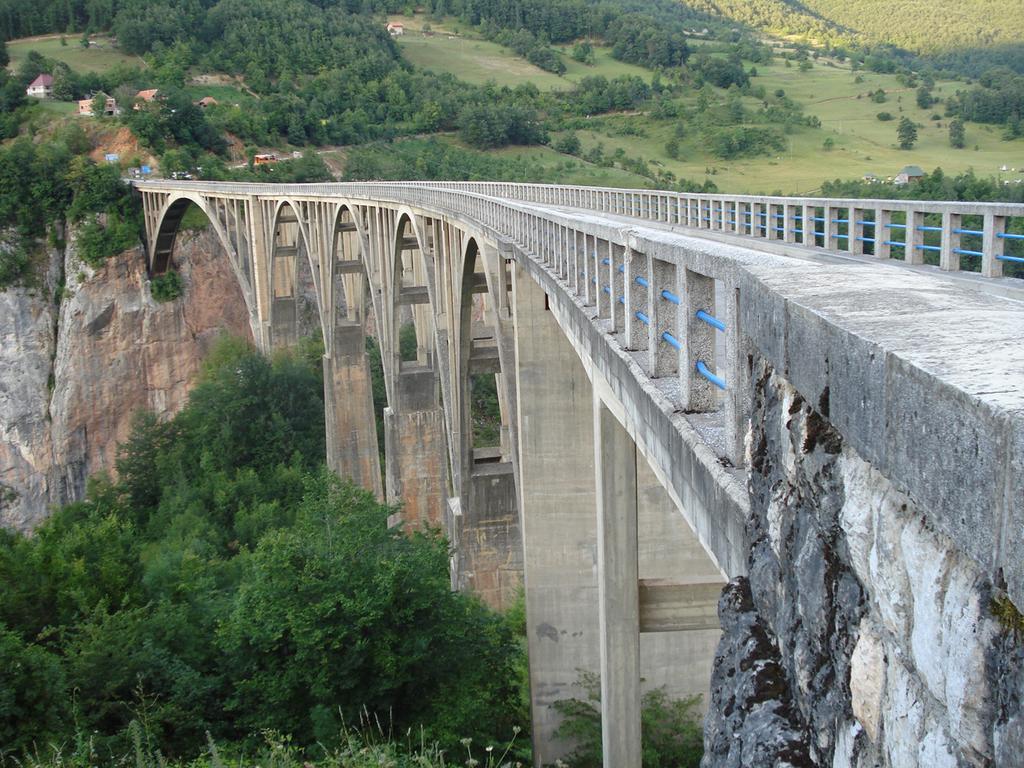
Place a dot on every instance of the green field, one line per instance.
(96, 58)
(478, 61)
(563, 169)
(862, 143)
(224, 94)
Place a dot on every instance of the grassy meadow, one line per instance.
(861, 143)
(449, 49)
(99, 57)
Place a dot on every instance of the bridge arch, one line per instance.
(160, 251)
(294, 278)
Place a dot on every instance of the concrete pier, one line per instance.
(416, 466)
(348, 403)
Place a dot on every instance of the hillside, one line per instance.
(922, 26)
(628, 93)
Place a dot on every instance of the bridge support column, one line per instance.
(348, 400)
(416, 452)
(556, 464)
(483, 527)
(618, 577)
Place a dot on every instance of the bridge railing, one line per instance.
(976, 237)
(663, 311)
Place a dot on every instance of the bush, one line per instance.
(569, 144)
(671, 729)
(97, 242)
(740, 141)
(13, 264)
(166, 287)
(884, 116)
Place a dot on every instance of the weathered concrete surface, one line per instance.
(416, 450)
(348, 401)
(114, 351)
(891, 655)
(488, 559)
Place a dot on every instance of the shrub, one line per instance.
(671, 728)
(97, 242)
(884, 116)
(13, 264)
(166, 287)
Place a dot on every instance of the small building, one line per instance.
(41, 87)
(396, 29)
(908, 174)
(147, 96)
(109, 108)
(268, 159)
(206, 101)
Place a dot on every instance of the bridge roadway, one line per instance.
(624, 329)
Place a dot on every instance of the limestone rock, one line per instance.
(114, 352)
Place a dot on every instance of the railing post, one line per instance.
(855, 229)
(992, 245)
(617, 259)
(883, 218)
(738, 220)
(949, 259)
(636, 300)
(830, 227)
(913, 237)
(737, 377)
(664, 315)
(698, 342)
(602, 273)
(589, 263)
(789, 223)
(808, 225)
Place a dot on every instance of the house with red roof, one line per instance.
(148, 96)
(41, 87)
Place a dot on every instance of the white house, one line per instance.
(395, 28)
(41, 87)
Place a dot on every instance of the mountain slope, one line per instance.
(923, 26)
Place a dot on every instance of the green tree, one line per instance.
(5, 57)
(957, 136)
(99, 104)
(672, 148)
(924, 97)
(340, 612)
(906, 133)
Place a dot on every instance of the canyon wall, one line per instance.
(79, 358)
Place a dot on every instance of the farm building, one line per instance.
(110, 106)
(908, 174)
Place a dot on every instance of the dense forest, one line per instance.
(228, 584)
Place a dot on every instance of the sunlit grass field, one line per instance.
(96, 58)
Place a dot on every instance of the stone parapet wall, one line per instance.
(863, 634)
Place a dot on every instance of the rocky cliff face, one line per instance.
(73, 373)
(862, 637)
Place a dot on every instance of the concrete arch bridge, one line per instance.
(690, 387)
